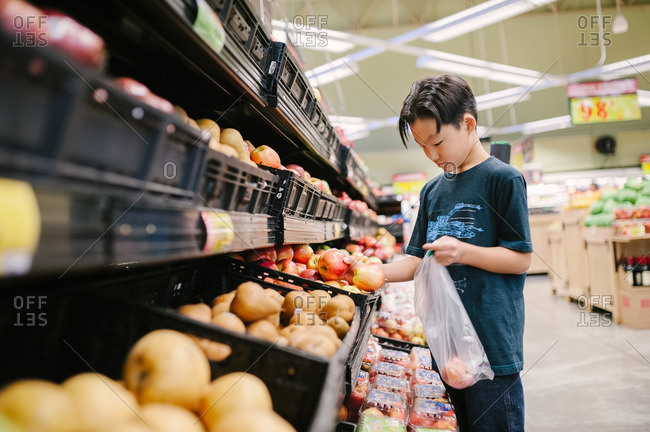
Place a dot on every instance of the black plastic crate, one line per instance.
(400, 345)
(353, 365)
(294, 196)
(83, 330)
(357, 219)
(365, 302)
(330, 208)
(232, 185)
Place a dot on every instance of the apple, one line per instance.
(265, 155)
(311, 274)
(318, 183)
(321, 249)
(372, 412)
(250, 146)
(268, 253)
(396, 412)
(300, 266)
(353, 247)
(302, 253)
(76, 40)
(455, 374)
(149, 362)
(335, 284)
(312, 263)
(374, 260)
(391, 325)
(267, 263)
(284, 252)
(331, 264)
(288, 266)
(396, 335)
(368, 277)
(299, 170)
(417, 340)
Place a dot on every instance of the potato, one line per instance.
(252, 421)
(199, 311)
(214, 351)
(297, 300)
(230, 321)
(224, 298)
(314, 343)
(306, 319)
(322, 297)
(341, 305)
(213, 129)
(251, 304)
(263, 329)
(339, 325)
(274, 295)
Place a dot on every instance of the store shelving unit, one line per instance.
(116, 226)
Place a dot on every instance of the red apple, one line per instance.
(378, 331)
(310, 274)
(374, 260)
(312, 263)
(455, 374)
(299, 170)
(302, 253)
(267, 253)
(300, 266)
(317, 182)
(398, 413)
(265, 155)
(76, 40)
(368, 277)
(353, 247)
(267, 263)
(396, 335)
(288, 266)
(372, 412)
(284, 252)
(331, 264)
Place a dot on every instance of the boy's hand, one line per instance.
(448, 250)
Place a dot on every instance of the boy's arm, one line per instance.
(498, 259)
(402, 270)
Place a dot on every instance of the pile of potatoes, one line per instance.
(313, 321)
(227, 141)
(166, 387)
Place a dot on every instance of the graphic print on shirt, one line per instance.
(460, 227)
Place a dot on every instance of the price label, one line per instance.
(337, 230)
(20, 227)
(603, 109)
(208, 26)
(219, 230)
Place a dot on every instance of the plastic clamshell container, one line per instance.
(434, 415)
(421, 358)
(390, 404)
(424, 376)
(435, 392)
(388, 369)
(395, 385)
(371, 356)
(394, 356)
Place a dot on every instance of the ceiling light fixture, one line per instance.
(632, 66)
(539, 126)
(331, 72)
(481, 69)
(620, 23)
(495, 99)
(643, 96)
(479, 16)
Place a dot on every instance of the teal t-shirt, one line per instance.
(485, 206)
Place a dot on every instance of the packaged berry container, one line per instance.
(424, 376)
(389, 369)
(383, 403)
(426, 413)
(395, 385)
(398, 357)
(435, 392)
(373, 423)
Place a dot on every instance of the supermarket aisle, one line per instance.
(581, 374)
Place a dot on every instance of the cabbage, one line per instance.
(634, 183)
(626, 195)
(596, 207)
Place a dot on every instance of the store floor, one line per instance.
(580, 373)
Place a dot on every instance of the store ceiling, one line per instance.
(551, 40)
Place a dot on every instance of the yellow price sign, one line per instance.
(602, 109)
(219, 229)
(20, 226)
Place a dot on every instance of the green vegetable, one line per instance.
(634, 183)
(626, 195)
(608, 195)
(643, 200)
(609, 206)
(596, 207)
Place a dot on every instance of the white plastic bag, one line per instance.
(455, 346)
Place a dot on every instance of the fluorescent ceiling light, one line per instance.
(331, 72)
(495, 99)
(311, 37)
(481, 69)
(479, 16)
(643, 96)
(539, 126)
(632, 66)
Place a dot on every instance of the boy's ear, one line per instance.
(469, 121)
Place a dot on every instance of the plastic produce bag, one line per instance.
(455, 346)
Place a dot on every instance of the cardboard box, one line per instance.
(635, 307)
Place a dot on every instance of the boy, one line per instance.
(475, 217)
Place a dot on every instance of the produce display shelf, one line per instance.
(353, 365)
(359, 225)
(305, 388)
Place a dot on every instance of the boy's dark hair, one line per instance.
(443, 98)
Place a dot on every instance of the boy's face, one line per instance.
(449, 149)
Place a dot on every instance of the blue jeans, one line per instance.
(490, 406)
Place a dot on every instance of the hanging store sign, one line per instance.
(603, 101)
